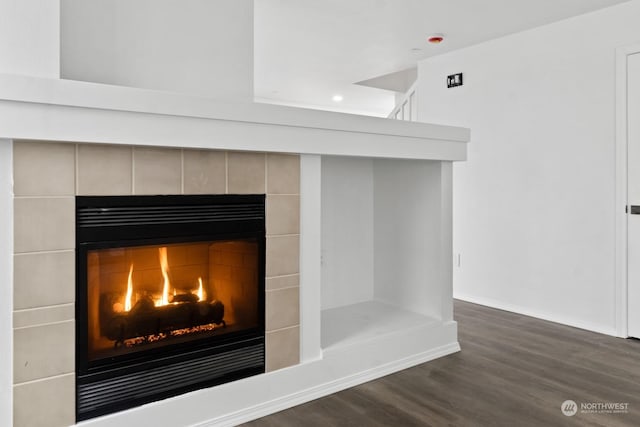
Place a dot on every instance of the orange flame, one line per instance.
(201, 294)
(164, 265)
(127, 299)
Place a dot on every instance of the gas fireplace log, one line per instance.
(146, 320)
(184, 298)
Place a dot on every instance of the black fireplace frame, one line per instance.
(125, 381)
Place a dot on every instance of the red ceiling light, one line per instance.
(435, 38)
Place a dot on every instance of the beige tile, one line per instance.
(44, 224)
(283, 254)
(104, 170)
(282, 308)
(283, 174)
(283, 214)
(204, 172)
(246, 173)
(44, 169)
(157, 171)
(282, 348)
(43, 279)
(273, 283)
(45, 403)
(44, 315)
(43, 351)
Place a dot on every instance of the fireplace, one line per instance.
(170, 295)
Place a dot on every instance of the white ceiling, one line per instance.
(306, 51)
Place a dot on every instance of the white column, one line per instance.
(446, 239)
(310, 246)
(6, 282)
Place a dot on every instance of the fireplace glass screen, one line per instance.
(145, 297)
(170, 296)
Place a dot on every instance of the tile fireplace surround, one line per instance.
(47, 176)
(358, 251)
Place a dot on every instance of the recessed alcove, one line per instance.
(383, 264)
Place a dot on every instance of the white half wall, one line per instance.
(198, 47)
(534, 205)
(29, 37)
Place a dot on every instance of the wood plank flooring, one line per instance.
(513, 370)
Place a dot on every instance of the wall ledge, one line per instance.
(47, 109)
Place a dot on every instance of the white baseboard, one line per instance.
(328, 388)
(551, 317)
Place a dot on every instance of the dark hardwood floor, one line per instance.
(513, 370)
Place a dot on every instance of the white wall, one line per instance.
(29, 37)
(199, 47)
(534, 204)
(347, 231)
(407, 224)
(88, 40)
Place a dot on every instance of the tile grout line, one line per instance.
(226, 172)
(284, 275)
(283, 329)
(76, 162)
(266, 175)
(283, 289)
(44, 307)
(182, 170)
(133, 170)
(50, 251)
(25, 321)
(45, 378)
(66, 196)
(38, 325)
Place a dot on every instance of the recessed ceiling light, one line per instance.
(337, 98)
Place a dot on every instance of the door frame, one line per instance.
(621, 245)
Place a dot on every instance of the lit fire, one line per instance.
(127, 300)
(201, 294)
(164, 265)
(164, 298)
